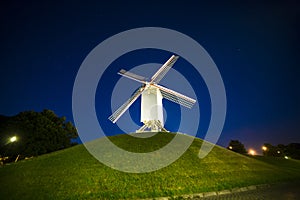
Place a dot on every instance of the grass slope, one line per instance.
(74, 174)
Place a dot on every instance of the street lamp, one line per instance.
(252, 152)
(13, 139)
(264, 148)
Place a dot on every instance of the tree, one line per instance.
(38, 133)
(291, 150)
(236, 146)
(270, 150)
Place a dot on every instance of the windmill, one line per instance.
(151, 98)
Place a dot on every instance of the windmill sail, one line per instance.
(156, 78)
(118, 113)
(176, 97)
(132, 76)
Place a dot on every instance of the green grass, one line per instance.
(74, 174)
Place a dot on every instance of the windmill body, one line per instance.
(152, 109)
(151, 98)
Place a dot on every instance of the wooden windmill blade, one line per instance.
(120, 111)
(156, 78)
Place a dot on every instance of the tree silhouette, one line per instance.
(37, 132)
(236, 146)
(291, 150)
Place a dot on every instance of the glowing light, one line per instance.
(278, 151)
(13, 139)
(286, 157)
(230, 147)
(264, 148)
(252, 152)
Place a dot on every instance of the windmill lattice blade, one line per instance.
(156, 78)
(132, 76)
(120, 111)
(176, 97)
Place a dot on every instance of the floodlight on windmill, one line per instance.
(151, 98)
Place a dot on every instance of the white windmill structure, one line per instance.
(152, 95)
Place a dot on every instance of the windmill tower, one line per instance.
(151, 98)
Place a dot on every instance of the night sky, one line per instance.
(254, 45)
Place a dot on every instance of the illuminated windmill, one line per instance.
(152, 95)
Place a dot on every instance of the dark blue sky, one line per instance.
(254, 45)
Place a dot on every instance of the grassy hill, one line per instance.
(74, 174)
